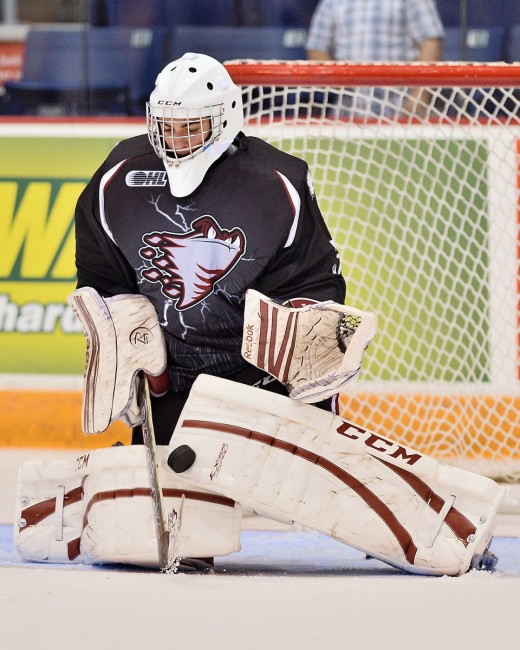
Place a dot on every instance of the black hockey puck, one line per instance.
(181, 459)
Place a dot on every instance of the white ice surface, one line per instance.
(274, 595)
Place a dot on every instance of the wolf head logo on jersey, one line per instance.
(188, 265)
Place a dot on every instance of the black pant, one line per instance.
(167, 409)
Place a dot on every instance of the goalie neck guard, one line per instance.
(195, 91)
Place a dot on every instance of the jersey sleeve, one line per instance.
(308, 266)
(423, 20)
(321, 28)
(99, 262)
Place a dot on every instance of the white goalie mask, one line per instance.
(194, 114)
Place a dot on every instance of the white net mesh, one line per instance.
(423, 204)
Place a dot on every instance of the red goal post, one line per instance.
(417, 171)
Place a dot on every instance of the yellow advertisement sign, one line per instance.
(41, 179)
(44, 166)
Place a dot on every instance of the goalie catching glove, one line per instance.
(123, 337)
(314, 350)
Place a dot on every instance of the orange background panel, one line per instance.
(50, 419)
(444, 426)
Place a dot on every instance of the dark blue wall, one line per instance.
(480, 13)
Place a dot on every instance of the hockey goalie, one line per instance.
(238, 448)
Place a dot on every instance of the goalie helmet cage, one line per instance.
(423, 205)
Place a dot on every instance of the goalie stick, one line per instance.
(167, 526)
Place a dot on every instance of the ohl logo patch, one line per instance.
(189, 265)
(146, 179)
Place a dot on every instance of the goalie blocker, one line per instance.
(282, 459)
(123, 337)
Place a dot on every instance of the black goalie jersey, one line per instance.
(253, 223)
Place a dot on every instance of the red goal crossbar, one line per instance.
(319, 73)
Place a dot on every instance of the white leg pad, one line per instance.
(97, 509)
(291, 461)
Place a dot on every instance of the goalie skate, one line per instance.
(485, 561)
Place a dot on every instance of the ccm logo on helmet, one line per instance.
(168, 102)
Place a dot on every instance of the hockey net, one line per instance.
(417, 172)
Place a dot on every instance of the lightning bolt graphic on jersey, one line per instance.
(188, 265)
